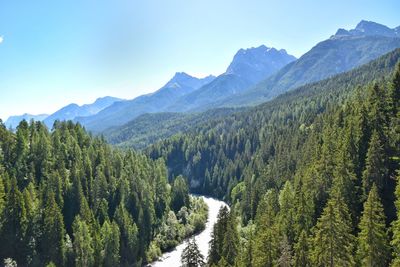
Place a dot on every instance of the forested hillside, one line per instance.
(69, 199)
(311, 176)
(151, 128)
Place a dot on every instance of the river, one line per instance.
(173, 258)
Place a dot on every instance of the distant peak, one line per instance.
(72, 105)
(366, 28)
(366, 23)
(107, 98)
(261, 48)
(342, 32)
(179, 75)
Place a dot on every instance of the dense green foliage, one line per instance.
(310, 175)
(68, 199)
(151, 128)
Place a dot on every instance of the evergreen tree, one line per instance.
(191, 255)
(129, 236)
(111, 239)
(266, 243)
(376, 169)
(301, 249)
(231, 240)
(396, 227)
(333, 240)
(52, 243)
(394, 92)
(218, 236)
(14, 226)
(83, 244)
(180, 193)
(286, 212)
(373, 245)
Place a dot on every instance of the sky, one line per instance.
(53, 53)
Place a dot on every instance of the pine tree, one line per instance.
(129, 236)
(373, 246)
(231, 240)
(214, 253)
(266, 243)
(376, 168)
(83, 244)
(14, 225)
(333, 239)
(286, 212)
(301, 248)
(396, 227)
(53, 244)
(180, 194)
(394, 92)
(111, 239)
(191, 255)
(218, 235)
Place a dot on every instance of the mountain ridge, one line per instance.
(121, 112)
(327, 58)
(73, 110)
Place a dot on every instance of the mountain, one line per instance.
(368, 28)
(122, 112)
(341, 52)
(248, 67)
(218, 153)
(151, 128)
(13, 121)
(72, 111)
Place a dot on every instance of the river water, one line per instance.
(173, 258)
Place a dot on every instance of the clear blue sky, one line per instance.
(56, 52)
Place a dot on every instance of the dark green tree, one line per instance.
(83, 244)
(53, 243)
(230, 247)
(180, 194)
(191, 255)
(111, 239)
(333, 242)
(301, 249)
(373, 243)
(395, 242)
(376, 170)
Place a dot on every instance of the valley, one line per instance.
(278, 161)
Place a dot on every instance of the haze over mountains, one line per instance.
(248, 67)
(255, 75)
(185, 93)
(122, 112)
(13, 121)
(68, 112)
(72, 111)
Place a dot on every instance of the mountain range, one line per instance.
(13, 121)
(259, 74)
(248, 67)
(341, 52)
(255, 75)
(68, 112)
(122, 112)
(186, 93)
(72, 111)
